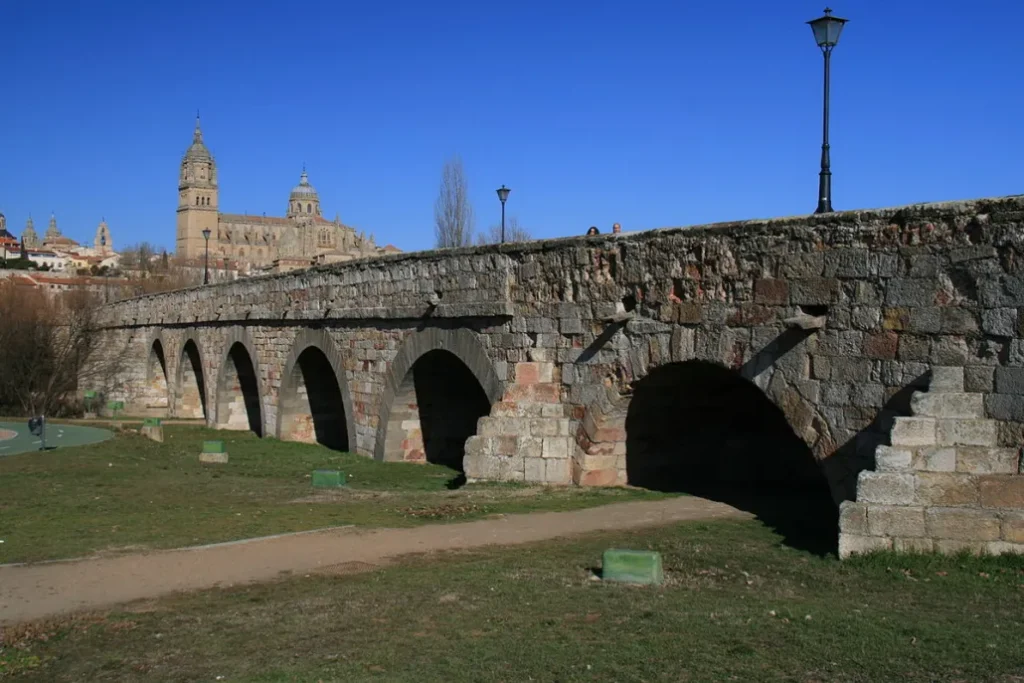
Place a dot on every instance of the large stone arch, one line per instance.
(187, 365)
(239, 393)
(319, 340)
(460, 343)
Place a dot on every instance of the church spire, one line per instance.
(197, 136)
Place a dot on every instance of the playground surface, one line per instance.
(15, 437)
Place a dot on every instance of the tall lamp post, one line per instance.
(503, 195)
(826, 33)
(206, 262)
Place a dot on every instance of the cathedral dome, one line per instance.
(197, 151)
(303, 200)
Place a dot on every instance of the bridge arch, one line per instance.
(698, 427)
(441, 383)
(158, 384)
(190, 395)
(314, 402)
(239, 396)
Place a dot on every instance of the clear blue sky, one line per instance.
(648, 113)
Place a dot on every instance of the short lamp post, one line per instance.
(503, 196)
(826, 33)
(206, 261)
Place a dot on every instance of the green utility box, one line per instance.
(632, 566)
(328, 479)
(213, 451)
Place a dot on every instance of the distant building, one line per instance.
(298, 239)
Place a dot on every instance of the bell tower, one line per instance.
(197, 197)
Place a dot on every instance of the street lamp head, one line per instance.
(206, 234)
(503, 193)
(827, 29)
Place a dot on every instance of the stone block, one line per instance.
(983, 460)
(1012, 528)
(958, 321)
(910, 292)
(979, 380)
(1008, 407)
(913, 431)
(962, 524)
(1009, 380)
(947, 404)
(214, 458)
(966, 432)
(935, 459)
(913, 545)
(542, 427)
(946, 378)
(1002, 491)
(1004, 548)
(556, 447)
(887, 488)
(533, 469)
(852, 544)
(814, 291)
(557, 471)
(853, 518)
(772, 292)
(947, 489)
(946, 546)
(881, 345)
(999, 322)
(154, 432)
(898, 520)
(328, 479)
(889, 459)
(632, 566)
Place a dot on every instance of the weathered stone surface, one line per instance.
(913, 545)
(890, 520)
(947, 489)
(966, 432)
(947, 404)
(945, 378)
(914, 431)
(850, 544)
(886, 488)
(889, 459)
(1012, 529)
(935, 459)
(853, 518)
(1002, 491)
(962, 524)
(983, 460)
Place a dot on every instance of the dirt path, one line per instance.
(36, 591)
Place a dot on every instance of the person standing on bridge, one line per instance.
(593, 231)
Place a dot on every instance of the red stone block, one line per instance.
(774, 292)
(527, 373)
(600, 478)
(547, 393)
(881, 345)
(1003, 491)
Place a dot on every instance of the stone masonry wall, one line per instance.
(837, 317)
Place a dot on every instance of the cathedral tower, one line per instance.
(197, 198)
(303, 202)
(103, 244)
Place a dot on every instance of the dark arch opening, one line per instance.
(436, 408)
(157, 386)
(699, 428)
(312, 409)
(238, 395)
(191, 399)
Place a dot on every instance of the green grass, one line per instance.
(736, 605)
(131, 493)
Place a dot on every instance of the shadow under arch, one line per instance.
(239, 398)
(190, 380)
(441, 383)
(314, 402)
(158, 385)
(699, 428)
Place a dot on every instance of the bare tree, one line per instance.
(47, 344)
(453, 214)
(514, 232)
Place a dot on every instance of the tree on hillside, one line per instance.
(453, 214)
(138, 257)
(514, 232)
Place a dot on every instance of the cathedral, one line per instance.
(302, 237)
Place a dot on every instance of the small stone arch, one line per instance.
(460, 343)
(240, 403)
(325, 432)
(158, 377)
(187, 366)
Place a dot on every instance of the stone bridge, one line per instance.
(774, 353)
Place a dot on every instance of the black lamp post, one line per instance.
(206, 262)
(503, 195)
(826, 33)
